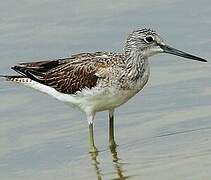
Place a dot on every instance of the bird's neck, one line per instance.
(136, 64)
(134, 59)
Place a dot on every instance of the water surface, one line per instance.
(163, 133)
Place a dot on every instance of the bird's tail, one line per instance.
(11, 78)
(3, 78)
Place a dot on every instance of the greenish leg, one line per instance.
(92, 147)
(112, 142)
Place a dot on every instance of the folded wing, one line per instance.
(64, 75)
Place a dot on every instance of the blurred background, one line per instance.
(163, 133)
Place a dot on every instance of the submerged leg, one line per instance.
(92, 147)
(112, 142)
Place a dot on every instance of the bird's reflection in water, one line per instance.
(118, 166)
(96, 165)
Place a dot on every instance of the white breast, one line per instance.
(98, 99)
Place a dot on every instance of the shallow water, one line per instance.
(163, 133)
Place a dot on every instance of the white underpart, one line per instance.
(92, 100)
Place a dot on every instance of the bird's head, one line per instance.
(147, 42)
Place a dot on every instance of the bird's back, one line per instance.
(73, 74)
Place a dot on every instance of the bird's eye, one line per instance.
(149, 39)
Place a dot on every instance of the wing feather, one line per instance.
(70, 75)
(68, 78)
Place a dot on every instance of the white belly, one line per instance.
(96, 100)
(105, 101)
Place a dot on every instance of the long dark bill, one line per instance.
(170, 50)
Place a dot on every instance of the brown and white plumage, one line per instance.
(86, 75)
(98, 81)
(70, 75)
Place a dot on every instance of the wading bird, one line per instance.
(100, 81)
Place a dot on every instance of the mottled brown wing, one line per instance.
(44, 66)
(68, 78)
(72, 78)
